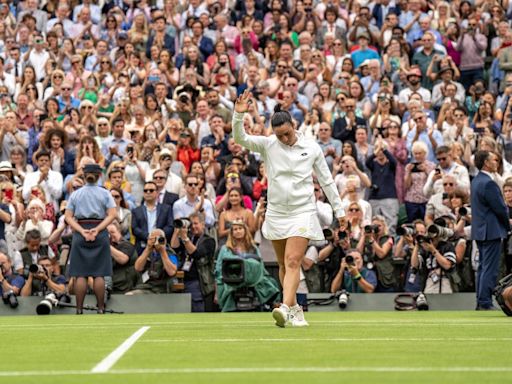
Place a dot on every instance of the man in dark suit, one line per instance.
(489, 225)
(163, 196)
(345, 127)
(381, 10)
(149, 216)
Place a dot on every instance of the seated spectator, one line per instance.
(124, 215)
(196, 253)
(354, 277)
(240, 247)
(44, 281)
(155, 266)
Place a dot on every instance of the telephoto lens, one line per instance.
(343, 299)
(349, 259)
(10, 299)
(463, 211)
(421, 302)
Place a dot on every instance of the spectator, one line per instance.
(49, 180)
(354, 277)
(192, 202)
(149, 216)
(471, 44)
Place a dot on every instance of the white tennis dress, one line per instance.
(291, 209)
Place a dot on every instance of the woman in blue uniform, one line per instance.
(89, 211)
(291, 218)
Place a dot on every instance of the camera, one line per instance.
(371, 228)
(36, 268)
(421, 302)
(342, 235)
(443, 233)
(463, 211)
(405, 231)
(10, 299)
(422, 239)
(51, 301)
(328, 234)
(349, 259)
(343, 297)
(184, 98)
(415, 168)
(160, 240)
(181, 223)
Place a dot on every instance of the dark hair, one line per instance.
(280, 117)
(42, 153)
(480, 158)
(120, 192)
(33, 234)
(443, 149)
(239, 190)
(56, 132)
(150, 182)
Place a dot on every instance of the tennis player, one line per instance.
(291, 219)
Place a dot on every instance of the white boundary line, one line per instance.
(107, 363)
(234, 370)
(334, 339)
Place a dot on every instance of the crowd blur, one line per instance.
(399, 95)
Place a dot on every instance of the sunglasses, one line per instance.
(354, 210)
(192, 184)
(66, 89)
(149, 190)
(441, 158)
(102, 124)
(58, 77)
(448, 184)
(86, 107)
(116, 196)
(419, 118)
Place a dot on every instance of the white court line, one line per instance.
(334, 339)
(107, 363)
(259, 370)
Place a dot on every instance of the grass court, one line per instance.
(338, 347)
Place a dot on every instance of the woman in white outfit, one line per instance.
(291, 219)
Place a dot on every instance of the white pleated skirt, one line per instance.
(305, 224)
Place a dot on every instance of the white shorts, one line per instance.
(279, 226)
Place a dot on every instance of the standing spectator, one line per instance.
(490, 224)
(150, 216)
(193, 202)
(471, 44)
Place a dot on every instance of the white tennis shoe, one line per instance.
(281, 315)
(296, 317)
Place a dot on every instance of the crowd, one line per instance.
(400, 95)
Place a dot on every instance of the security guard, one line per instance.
(89, 211)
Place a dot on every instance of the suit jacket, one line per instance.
(341, 132)
(489, 214)
(164, 221)
(170, 198)
(339, 33)
(168, 44)
(377, 14)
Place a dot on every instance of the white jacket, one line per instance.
(290, 171)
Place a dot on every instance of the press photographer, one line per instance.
(353, 276)
(376, 246)
(41, 279)
(434, 257)
(196, 253)
(404, 247)
(155, 265)
(123, 253)
(10, 282)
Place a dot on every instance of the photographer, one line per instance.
(404, 248)
(353, 276)
(377, 247)
(9, 280)
(196, 252)
(35, 251)
(123, 258)
(434, 257)
(44, 280)
(155, 266)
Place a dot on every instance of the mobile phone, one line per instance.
(9, 194)
(279, 95)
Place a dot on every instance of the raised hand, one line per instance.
(242, 102)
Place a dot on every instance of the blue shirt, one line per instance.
(183, 208)
(111, 141)
(360, 55)
(352, 286)
(15, 280)
(90, 202)
(74, 103)
(431, 156)
(151, 214)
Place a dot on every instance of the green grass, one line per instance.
(338, 347)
